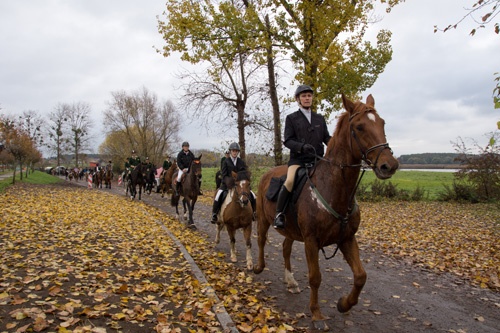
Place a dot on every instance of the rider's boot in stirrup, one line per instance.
(215, 211)
(279, 220)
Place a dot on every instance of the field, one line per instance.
(431, 182)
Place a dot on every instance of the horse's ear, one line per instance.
(370, 100)
(348, 104)
(199, 157)
(234, 174)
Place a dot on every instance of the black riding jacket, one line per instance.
(298, 132)
(228, 167)
(184, 159)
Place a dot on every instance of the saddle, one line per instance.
(298, 184)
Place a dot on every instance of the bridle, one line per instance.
(364, 152)
(242, 194)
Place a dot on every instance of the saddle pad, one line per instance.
(274, 188)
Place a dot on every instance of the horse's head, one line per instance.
(242, 187)
(196, 166)
(367, 137)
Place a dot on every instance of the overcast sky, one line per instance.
(436, 88)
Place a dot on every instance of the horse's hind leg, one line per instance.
(262, 229)
(350, 250)
(291, 284)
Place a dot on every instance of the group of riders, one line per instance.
(305, 133)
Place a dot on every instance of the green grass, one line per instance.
(37, 177)
(430, 182)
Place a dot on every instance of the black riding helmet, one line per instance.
(303, 88)
(234, 146)
(185, 144)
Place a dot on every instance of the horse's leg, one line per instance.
(247, 234)
(262, 229)
(140, 191)
(232, 242)
(312, 255)
(184, 205)
(291, 283)
(219, 227)
(350, 250)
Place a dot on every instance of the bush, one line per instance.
(387, 190)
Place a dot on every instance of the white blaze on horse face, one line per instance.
(372, 117)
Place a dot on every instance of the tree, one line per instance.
(79, 125)
(142, 123)
(31, 123)
(323, 40)
(55, 130)
(222, 36)
(18, 144)
(481, 166)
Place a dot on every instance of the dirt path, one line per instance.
(397, 297)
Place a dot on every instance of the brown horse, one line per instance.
(189, 191)
(326, 212)
(107, 177)
(97, 178)
(236, 212)
(166, 181)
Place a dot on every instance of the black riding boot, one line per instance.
(177, 188)
(279, 220)
(215, 210)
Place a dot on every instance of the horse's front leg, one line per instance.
(291, 284)
(219, 226)
(312, 251)
(247, 234)
(232, 243)
(350, 250)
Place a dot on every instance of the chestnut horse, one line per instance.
(166, 181)
(326, 212)
(189, 191)
(236, 212)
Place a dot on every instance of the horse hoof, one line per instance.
(191, 226)
(342, 308)
(320, 325)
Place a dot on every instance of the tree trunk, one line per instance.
(278, 146)
(241, 129)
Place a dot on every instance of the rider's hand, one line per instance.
(308, 149)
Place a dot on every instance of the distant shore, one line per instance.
(430, 166)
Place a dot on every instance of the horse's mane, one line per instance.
(243, 175)
(339, 130)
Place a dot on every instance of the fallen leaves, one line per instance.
(74, 260)
(459, 239)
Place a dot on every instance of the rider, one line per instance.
(131, 162)
(184, 159)
(166, 165)
(305, 132)
(109, 166)
(230, 164)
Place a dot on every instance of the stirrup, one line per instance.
(279, 221)
(214, 218)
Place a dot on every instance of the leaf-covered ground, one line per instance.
(77, 260)
(74, 260)
(463, 239)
